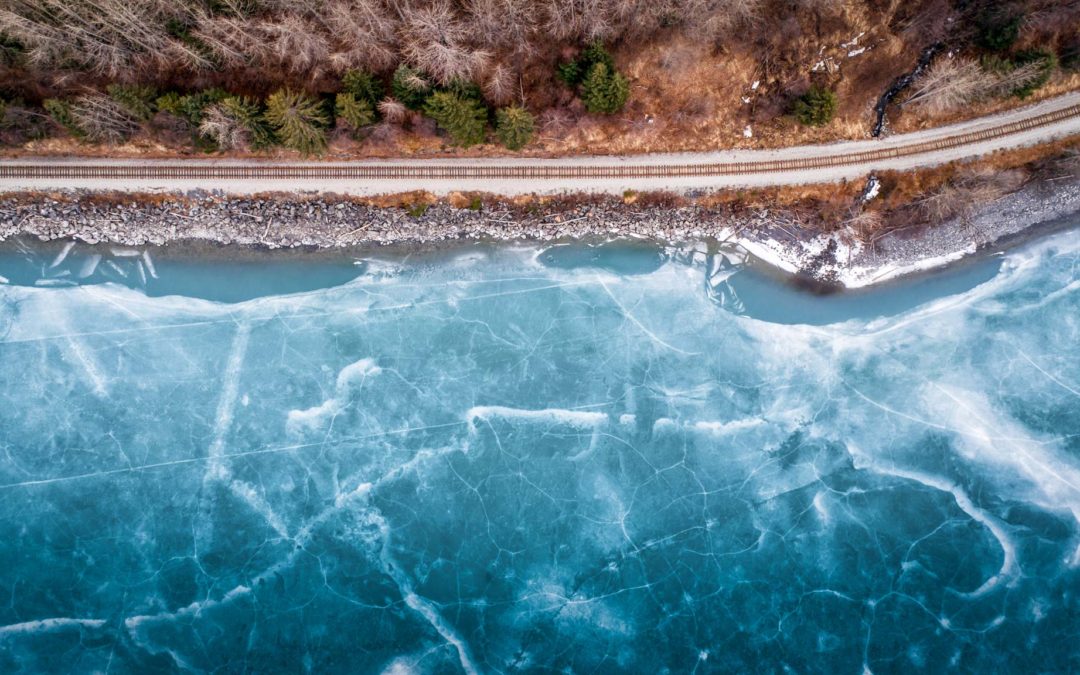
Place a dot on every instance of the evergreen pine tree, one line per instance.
(298, 120)
(410, 87)
(60, 112)
(574, 72)
(249, 112)
(604, 90)
(514, 126)
(190, 107)
(363, 86)
(139, 101)
(463, 119)
(1047, 63)
(357, 112)
(816, 107)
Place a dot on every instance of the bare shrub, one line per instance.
(866, 224)
(959, 198)
(224, 129)
(393, 111)
(555, 121)
(722, 19)
(1069, 162)
(102, 119)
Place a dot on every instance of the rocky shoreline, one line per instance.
(836, 258)
(282, 221)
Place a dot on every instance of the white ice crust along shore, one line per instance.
(487, 462)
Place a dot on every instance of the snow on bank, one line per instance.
(840, 258)
(814, 258)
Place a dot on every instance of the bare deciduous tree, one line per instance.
(436, 42)
(581, 20)
(499, 85)
(363, 34)
(107, 36)
(233, 39)
(295, 44)
(950, 84)
(503, 24)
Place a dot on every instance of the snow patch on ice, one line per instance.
(48, 626)
(554, 416)
(89, 266)
(60, 257)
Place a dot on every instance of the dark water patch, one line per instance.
(808, 301)
(212, 277)
(620, 257)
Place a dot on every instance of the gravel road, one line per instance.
(847, 167)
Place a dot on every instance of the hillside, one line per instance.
(356, 78)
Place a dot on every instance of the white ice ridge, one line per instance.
(217, 469)
(725, 428)
(77, 352)
(227, 402)
(149, 264)
(355, 498)
(1010, 569)
(90, 366)
(259, 505)
(578, 419)
(989, 436)
(350, 381)
(422, 606)
(48, 626)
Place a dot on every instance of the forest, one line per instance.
(393, 76)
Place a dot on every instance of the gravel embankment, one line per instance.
(327, 222)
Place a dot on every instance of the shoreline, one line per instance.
(1031, 211)
(235, 226)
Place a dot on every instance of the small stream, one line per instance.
(899, 85)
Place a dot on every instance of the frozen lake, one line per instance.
(501, 458)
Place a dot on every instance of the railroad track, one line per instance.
(542, 170)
